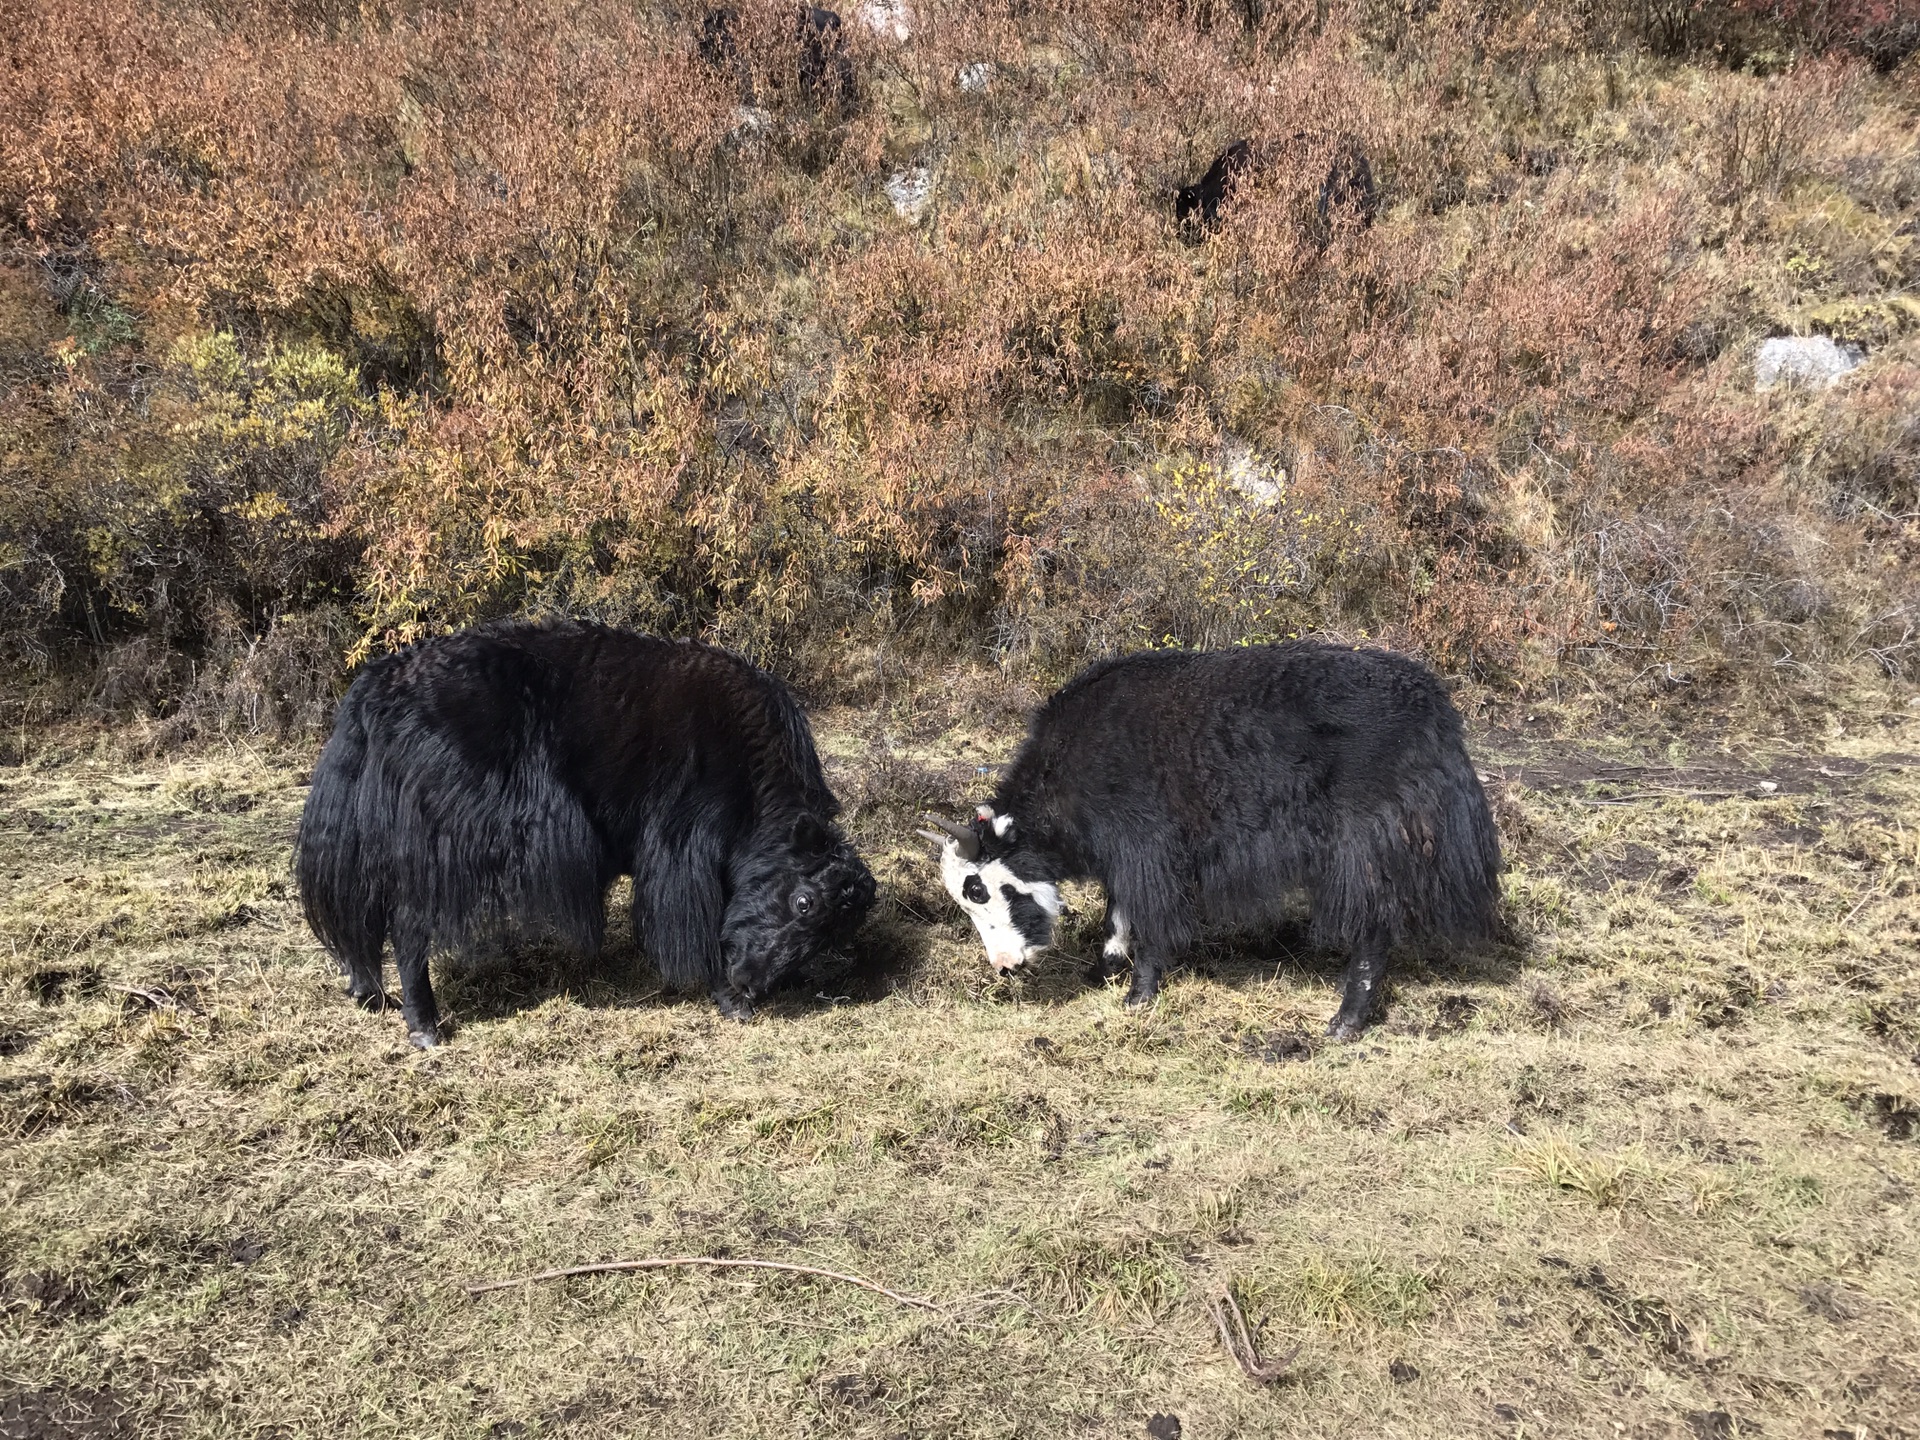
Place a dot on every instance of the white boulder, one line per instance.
(1814, 362)
(1254, 475)
(889, 19)
(911, 191)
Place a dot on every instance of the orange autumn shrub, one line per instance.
(375, 320)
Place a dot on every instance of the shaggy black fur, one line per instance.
(503, 777)
(826, 69)
(1206, 194)
(1346, 195)
(1201, 789)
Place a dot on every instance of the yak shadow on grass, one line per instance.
(1282, 951)
(506, 978)
(894, 947)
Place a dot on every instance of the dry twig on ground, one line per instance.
(687, 1261)
(1239, 1341)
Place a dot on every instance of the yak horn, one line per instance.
(963, 837)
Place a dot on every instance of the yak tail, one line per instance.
(340, 862)
(1426, 867)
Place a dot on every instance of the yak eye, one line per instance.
(803, 903)
(975, 890)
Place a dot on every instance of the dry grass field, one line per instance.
(1651, 1170)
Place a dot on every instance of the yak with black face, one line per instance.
(1346, 199)
(1203, 790)
(502, 778)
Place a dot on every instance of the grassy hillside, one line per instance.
(1651, 1175)
(325, 326)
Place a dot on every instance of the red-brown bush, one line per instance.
(433, 312)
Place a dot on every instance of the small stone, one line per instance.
(889, 19)
(911, 191)
(750, 122)
(976, 77)
(1814, 362)
(1402, 1372)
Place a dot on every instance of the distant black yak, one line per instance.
(717, 44)
(1203, 788)
(1346, 195)
(824, 68)
(503, 777)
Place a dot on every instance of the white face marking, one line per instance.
(1008, 947)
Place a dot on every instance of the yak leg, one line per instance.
(363, 978)
(1114, 955)
(417, 1005)
(679, 904)
(1146, 982)
(1360, 987)
(1153, 894)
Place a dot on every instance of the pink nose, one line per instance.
(1004, 963)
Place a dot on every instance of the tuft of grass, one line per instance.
(1369, 1292)
(1604, 1181)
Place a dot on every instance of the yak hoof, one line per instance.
(424, 1039)
(369, 999)
(1140, 997)
(1345, 1027)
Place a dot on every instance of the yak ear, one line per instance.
(809, 836)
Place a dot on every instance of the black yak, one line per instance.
(503, 777)
(1205, 195)
(1346, 195)
(1202, 789)
(826, 69)
(823, 66)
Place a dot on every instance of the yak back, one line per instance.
(1235, 774)
(511, 771)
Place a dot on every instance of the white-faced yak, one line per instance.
(1203, 789)
(500, 779)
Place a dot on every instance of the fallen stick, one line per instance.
(685, 1261)
(1242, 1349)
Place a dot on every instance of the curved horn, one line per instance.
(962, 836)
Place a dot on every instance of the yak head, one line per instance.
(803, 893)
(999, 886)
